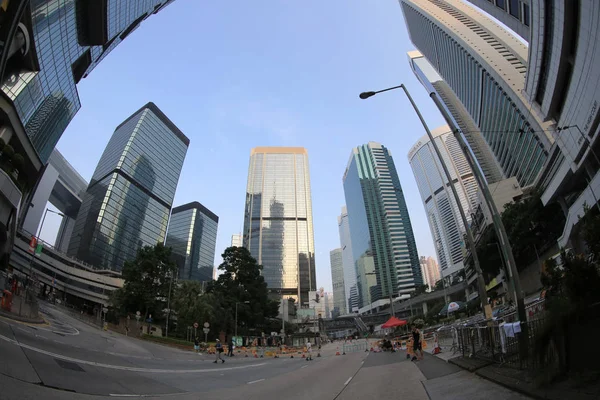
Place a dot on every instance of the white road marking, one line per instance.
(124, 395)
(304, 366)
(258, 380)
(348, 381)
(124, 368)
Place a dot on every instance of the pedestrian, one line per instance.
(308, 351)
(417, 344)
(230, 349)
(196, 344)
(218, 351)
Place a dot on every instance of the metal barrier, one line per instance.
(355, 347)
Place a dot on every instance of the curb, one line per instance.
(19, 318)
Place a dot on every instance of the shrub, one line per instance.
(18, 161)
(8, 151)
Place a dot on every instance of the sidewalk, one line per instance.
(23, 311)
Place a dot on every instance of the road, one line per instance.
(67, 359)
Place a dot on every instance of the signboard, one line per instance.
(237, 341)
(206, 325)
(453, 307)
(32, 244)
(38, 249)
(195, 325)
(206, 330)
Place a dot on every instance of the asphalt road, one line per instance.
(67, 359)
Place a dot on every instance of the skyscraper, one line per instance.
(236, 240)
(430, 270)
(192, 235)
(71, 38)
(434, 83)
(383, 244)
(446, 225)
(516, 14)
(128, 201)
(350, 288)
(337, 281)
(485, 66)
(278, 224)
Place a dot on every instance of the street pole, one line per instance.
(236, 307)
(169, 306)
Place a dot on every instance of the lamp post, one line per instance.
(236, 312)
(481, 283)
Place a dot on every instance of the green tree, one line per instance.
(147, 280)
(241, 283)
(420, 289)
(590, 231)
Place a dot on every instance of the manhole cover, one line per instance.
(69, 365)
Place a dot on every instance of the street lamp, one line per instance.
(236, 309)
(481, 283)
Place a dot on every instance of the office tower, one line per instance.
(430, 271)
(127, 203)
(278, 224)
(446, 225)
(236, 240)
(434, 83)
(329, 307)
(485, 67)
(350, 288)
(70, 39)
(337, 281)
(383, 244)
(515, 14)
(192, 235)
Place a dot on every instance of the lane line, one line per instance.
(304, 366)
(258, 380)
(122, 367)
(124, 395)
(348, 381)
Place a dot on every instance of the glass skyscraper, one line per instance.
(337, 281)
(447, 228)
(278, 224)
(71, 37)
(485, 66)
(383, 244)
(192, 235)
(127, 203)
(351, 290)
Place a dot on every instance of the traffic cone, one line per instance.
(337, 351)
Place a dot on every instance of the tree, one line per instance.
(147, 280)
(420, 289)
(591, 231)
(239, 283)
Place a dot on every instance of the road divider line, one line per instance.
(304, 366)
(122, 367)
(256, 381)
(348, 381)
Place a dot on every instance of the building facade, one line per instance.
(383, 244)
(71, 38)
(128, 201)
(350, 288)
(485, 66)
(430, 271)
(236, 240)
(192, 235)
(337, 281)
(434, 83)
(447, 228)
(278, 224)
(515, 14)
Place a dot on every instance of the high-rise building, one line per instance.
(433, 83)
(128, 201)
(383, 244)
(446, 225)
(515, 14)
(337, 281)
(71, 38)
(192, 235)
(485, 66)
(430, 270)
(236, 240)
(350, 288)
(278, 224)
(329, 308)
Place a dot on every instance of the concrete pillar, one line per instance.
(424, 308)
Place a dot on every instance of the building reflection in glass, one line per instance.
(278, 226)
(128, 201)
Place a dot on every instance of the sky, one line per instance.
(235, 75)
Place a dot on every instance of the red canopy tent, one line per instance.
(393, 322)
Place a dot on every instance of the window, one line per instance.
(526, 14)
(513, 6)
(501, 4)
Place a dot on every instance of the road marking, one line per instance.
(122, 367)
(124, 395)
(304, 366)
(348, 381)
(258, 380)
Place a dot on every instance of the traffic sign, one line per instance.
(138, 313)
(195, 325)
(38, 249)
(206, 325)
(205, 330)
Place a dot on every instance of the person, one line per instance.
(196, 344)
(218, 351)
(230, 348)
(309, 351)
(417, 344)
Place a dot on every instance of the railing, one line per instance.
(356, 346)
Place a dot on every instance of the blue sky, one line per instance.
(235, 75)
